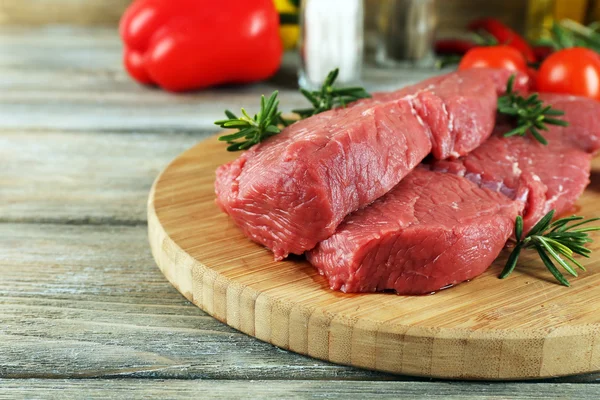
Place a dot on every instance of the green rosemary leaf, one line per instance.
(552, 111)
(533, 100)
(519, 227)
(537, 135)
(556, 256)
(554, 121)
(579, 249)
(592, 229)
(329, 97)
(540, 125)
(555, 242)
(351, 91)
(574, 261)
(510, 84)
(245, 114)
(235, 124)
(252, 130)
(331, 77)
(560, 247)
(560, 225)
(542, 224)
(511, 263)
(587, 221)
(517, 131)
(272, 129)
(234, 146)
(529, 113)
(508, 110)
(230, 115)
(313, 99)
(237, 135)
(551, 267)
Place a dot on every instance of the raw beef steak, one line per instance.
(456, 106)
(430, 231)
(292, 191)
(542, 177)
(434, 230)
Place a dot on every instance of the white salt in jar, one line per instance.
(332, 36)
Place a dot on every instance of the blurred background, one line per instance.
(370, 40)
(453, 15)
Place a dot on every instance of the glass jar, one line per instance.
(331, 36)
(405, 32)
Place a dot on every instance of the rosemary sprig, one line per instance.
(555, 242)
(328, 97)
(253, 130)
(568, 33)
(529, 112)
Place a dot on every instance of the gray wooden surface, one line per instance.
(84, 312)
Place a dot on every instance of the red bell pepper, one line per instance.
(191, 44)
(504, 35)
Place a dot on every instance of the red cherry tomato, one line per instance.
(504, 35)
(504, 57)
(574, 71)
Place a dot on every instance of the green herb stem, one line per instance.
(252, 130)
(329, 97)
(555, 242)
(530, 113)
(267, 122)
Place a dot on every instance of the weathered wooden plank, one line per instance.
(62, 11)
(277, 389)
(135, 108)
(94, 177)
(83, 178)
(88, 301)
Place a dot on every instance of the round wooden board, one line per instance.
(526, 326)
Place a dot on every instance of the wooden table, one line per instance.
(84, 311)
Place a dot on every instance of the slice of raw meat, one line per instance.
(458, 107)
(291, 191)
(542, 177)
(432, 230)
(583, 115)
(435, 230)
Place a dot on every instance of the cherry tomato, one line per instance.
(504, 34)
(504, 57)
(574, 71)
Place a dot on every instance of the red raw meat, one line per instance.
(441, 227)
(432, 230)
(292, 191)
(543, 177)
(456, 106)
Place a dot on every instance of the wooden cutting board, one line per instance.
(526, 326)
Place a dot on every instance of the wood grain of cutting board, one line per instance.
(526, 326)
